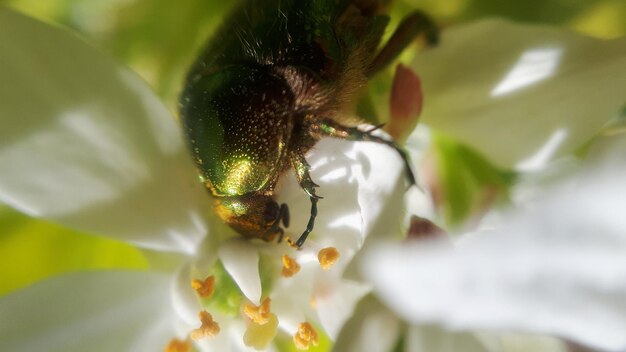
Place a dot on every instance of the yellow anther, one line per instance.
(305, 337)
(205, 287)
(290, 266)
(209, 327)
(328, 257)
(259, 336)
(177, 345)
(259, 315)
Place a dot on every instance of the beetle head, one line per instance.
(253, 215)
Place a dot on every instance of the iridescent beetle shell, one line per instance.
(239, 138)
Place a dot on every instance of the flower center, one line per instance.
(262, 324)
(219, 293)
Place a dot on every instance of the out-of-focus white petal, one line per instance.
(84, 142)
(98, 311)
(556, 267)
(507, 342)
(241, 261)
(335, 300)
(539, 93)
(435, 339)
(382, 186)
(371, 328)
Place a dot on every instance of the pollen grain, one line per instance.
(209, 327)
(258, 314)
(290, 266)
(328, 257)
(176, 345)
(305, 337)
(205, 287)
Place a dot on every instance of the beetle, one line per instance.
(269, 85)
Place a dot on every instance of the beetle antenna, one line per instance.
(309, 226)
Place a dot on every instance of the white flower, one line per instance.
(551, 265)
(526, 97)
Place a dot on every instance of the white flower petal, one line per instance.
(291, 298)
(335, 300)
(557, 267)
(84, 142)
(184, 299)
(334, 166)
(362, 184)
(382, 185)
(98, 311)
(290, 314)
(241, 261)
(435, 339)
(538, 93)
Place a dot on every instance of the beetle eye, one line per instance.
(271, 211)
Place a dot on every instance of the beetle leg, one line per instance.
(310, 224)
(303, 176)
(412, 26)
(332, 129)
(281, 234)
(284, 214)
(302, 168)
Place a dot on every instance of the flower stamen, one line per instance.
(209, 327)
(305, 337)
(328, 257)
(258, 314)
(176, 345)
(260, 336)
(263, 325)
(290, 266)
(205, 287)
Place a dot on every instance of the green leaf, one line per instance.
(32, 250)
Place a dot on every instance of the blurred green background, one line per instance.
(159, 39)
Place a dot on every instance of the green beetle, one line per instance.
(270, 84)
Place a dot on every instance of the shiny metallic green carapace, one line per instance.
(269, 85)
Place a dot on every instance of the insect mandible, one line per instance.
(269, 85)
